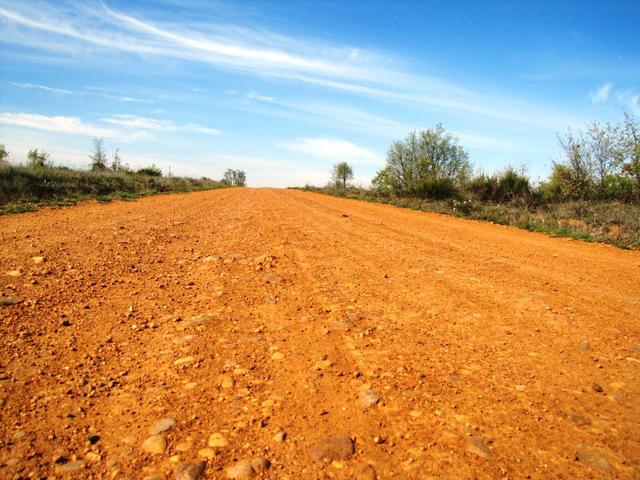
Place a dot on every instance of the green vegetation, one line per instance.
(342, 174)
(593, 192)
(38, 182)
(234, 178)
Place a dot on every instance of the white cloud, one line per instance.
(145, 123)
(43, 87)
(630, 100)
(260, 53)
(334, 150)
(601, 94)
(56, 123)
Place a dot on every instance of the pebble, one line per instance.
(190, 471)
(476, 445)
(6, 301)
(596, 387)
(227, 382)
(183, 360)
(592, 457)
(162, 425)
(155, 444)
(280, 435)
(277, 356)
(368, 398)
(248, 468)
(217, 440)
(209, 453)
(339, 447)
(38, 259)
(70, 467)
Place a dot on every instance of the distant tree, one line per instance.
(604, 152)
(578, 172)
(631, 151)
(116, 162)
(235, 178)
(4, 155)
(38, 159)
(99, 156)
(151, 171)
(341, 174)
(430, 163)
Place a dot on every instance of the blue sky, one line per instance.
(283, 90)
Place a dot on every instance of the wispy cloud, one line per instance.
(334, 150)
(145, 123)
(43, 87)
(630, 100)
(260, 53)
(68, 125)
(56, 123)
(601, 94)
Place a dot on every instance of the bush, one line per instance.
(151, 171)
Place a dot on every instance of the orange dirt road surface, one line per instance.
(257, 333)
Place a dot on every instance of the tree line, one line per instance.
(99, 162)
(601, 162)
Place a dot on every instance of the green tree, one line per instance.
(99, 156)
(341, 174)
(631, 151)
(151, 171)
(430, 163)
(235, 178)
(4, 155)
(116, 162)
(38, 159)
(604, 152)
(578, 172)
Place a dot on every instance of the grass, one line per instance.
(614, 223)
(24, 189)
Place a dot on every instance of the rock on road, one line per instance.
(258, 333)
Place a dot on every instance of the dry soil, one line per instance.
(317, 337)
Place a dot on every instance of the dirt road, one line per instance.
(315, 337)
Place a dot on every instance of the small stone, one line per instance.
(593, 457)
(70, 467)
(93, 438)
(39, 259)
(209, 453)
(190, 471)
(248, 468)
(280, 436)
(14, 273)
(476, 445)
(162, 425)
(596, 387)
(6, 301)
(241, 470)
(339, 447)
(183, 361)
(368, 398)
(579, 420)
(93, 457)
(277, 356)
(218, 440)
(155, 444)
(520, 388)
(184, 446)
(227, 382)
